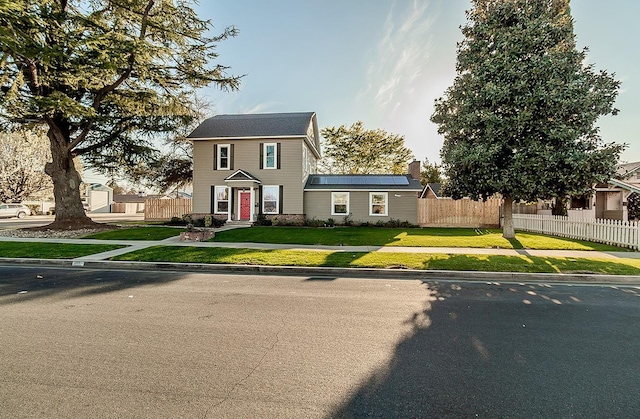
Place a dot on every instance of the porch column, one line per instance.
(229, 204)
(253, 204)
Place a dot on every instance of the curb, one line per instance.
(328, 272)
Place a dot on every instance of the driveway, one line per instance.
(41, 220)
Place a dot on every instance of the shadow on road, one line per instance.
(511, 351)
(20, 284)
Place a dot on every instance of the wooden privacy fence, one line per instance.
(613, 232)
(448, 212)
(165, 209)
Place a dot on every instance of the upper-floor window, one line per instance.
(270, 155)
(223, 157)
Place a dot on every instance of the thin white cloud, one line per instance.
(264, 107)
(397, 59)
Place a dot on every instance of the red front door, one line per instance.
(245, 205)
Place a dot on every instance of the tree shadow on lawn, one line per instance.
(21, 284)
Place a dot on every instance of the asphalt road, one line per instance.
(131, 344)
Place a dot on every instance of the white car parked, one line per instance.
(14, 210)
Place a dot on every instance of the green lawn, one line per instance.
(411, 237)
(137, 233)
(52, 250)
(384, 260)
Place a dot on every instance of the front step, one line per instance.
(239, 223)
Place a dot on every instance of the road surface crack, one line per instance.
(255, 367)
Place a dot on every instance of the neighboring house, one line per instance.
(431, 191)
(128, 203)
(608, 201)
(98, 198)
(611, 198)
(265, 164)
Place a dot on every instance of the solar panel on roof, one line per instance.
(360, 180)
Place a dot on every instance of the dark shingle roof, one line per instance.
(254, 125)
(389, 182)
(435, 188)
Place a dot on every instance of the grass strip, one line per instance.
(52, 250)
(489, 263)
(409, 237)
(137, 233)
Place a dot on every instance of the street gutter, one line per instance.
(328, 272)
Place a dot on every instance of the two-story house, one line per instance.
(252, 164)
(245, 165)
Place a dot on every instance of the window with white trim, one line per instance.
(339, 203)
(270, 199)
(222, 199)
(224, 157)
(378, 203)
(270, 156)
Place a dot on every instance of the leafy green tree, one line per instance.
(105, 78)
(519, 119)
(356, 150)
(173, 169)
(430, 173)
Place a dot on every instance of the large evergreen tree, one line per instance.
(519, 119)
(107, 78)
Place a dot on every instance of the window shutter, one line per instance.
(280, 200)
(213, 199)
(231, 201)
(261, 155)
(279, 153)
(215, 157)
(260, 199)
(231, 157)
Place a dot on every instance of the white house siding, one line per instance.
(246, 156)
(403, 205)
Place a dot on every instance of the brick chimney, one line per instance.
(414, 169)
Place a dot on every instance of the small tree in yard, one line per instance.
(23, 155)
(356, 150)
(519, 119)
(430, 173)
(105, 79)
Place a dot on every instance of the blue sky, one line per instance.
(385, 62)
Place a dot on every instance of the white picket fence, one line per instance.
(613, 232)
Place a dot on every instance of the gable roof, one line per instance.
(624, 185)
(241, 175)
(435, 188)
(267, 125)
(627, 168)
(352, 182)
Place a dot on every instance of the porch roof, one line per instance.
(625, 185)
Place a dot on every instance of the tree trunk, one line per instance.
(70, 213)
(508, 232)
(559, 206)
